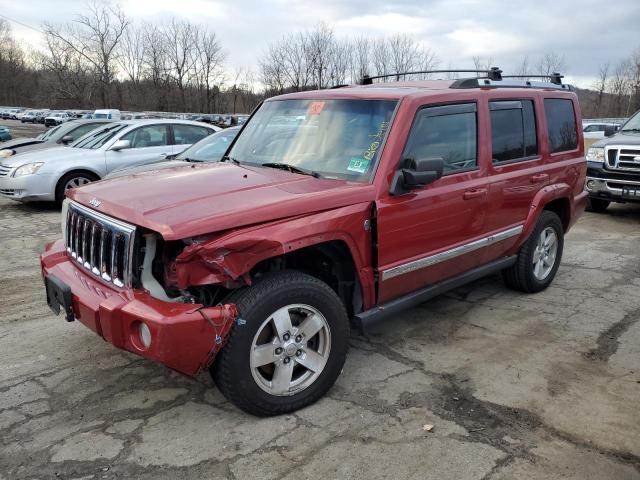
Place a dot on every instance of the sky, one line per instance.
(587, 33)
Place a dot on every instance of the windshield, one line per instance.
(336, 138)
(48, 133)
(211, 148)
(633, 124)
(99, 137)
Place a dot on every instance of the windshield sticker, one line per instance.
(357, 164)
(377, 139)
(315, 108)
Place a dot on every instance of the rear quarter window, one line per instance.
(561, 124)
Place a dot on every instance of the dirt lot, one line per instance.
(19, 129)
(516, 387)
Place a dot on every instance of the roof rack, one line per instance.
(485, 78)
(494, 73)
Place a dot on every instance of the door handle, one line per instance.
(541, 177)
(163, 154)
(475, 193)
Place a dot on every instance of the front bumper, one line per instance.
(184, 337)
(38, 187)
(612, 186)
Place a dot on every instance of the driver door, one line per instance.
(147, 144)
(428, 234)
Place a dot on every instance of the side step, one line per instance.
(377, 314)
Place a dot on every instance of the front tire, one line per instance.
(597, 205)
(72, 180)
(539, 258)
(287, 348)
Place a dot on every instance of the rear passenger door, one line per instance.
(517, 168)
(186, 135)
(428, 234)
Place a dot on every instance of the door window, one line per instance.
(561, 124)
(188, 134)
(448, 132)
(83, 129)
(513, 130)
(148, 136)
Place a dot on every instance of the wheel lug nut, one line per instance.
(298, 338)
(287, 360)
(286, 337)
(298, 353)
(278, 350)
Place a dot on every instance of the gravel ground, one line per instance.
(516, 386)
(19, 129)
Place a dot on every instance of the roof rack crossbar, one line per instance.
(554, 77)
(494, 73)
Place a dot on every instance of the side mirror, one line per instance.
(610, 130)
(414, 173)
(66, 140)
(121, 145)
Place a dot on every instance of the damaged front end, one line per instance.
(181, 328)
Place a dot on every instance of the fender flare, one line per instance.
(544, 196)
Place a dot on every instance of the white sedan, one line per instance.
(596, 131)
(45, 175)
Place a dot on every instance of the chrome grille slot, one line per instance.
(624, 157)
(4, 171)
(100, 244)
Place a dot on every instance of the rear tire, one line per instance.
(597, 205)
(263, 368)
(539, 258)
(77, 179)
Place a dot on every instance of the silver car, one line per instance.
(45, 175)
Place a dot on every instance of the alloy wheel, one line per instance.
(290, 350)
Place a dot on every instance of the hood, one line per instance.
(207, 198)
(46, 153)
(147, 167)
(19, 142)
(620, 138)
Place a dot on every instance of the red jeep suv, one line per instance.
(331, 208)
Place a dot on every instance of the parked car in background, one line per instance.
(56, 118)
(613, 167)
(598, 130)
(63, 134)
(29, 117)
(109, 114)
(5, 135)
(13, 114)
(41, 116)
(47, 174)
(209, 149)
(9, 113)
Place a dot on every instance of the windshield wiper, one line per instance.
(630, 130)
(291, 168)
(190, 160)
(227, 158)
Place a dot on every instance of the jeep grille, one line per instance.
(101, 244)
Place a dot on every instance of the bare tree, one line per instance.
(380, 57)
(601, 86)
(319, 45)
(208, 65)
(95, 37)
(180, 38)
(360, 58)
(549, 63)
(404, 53)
